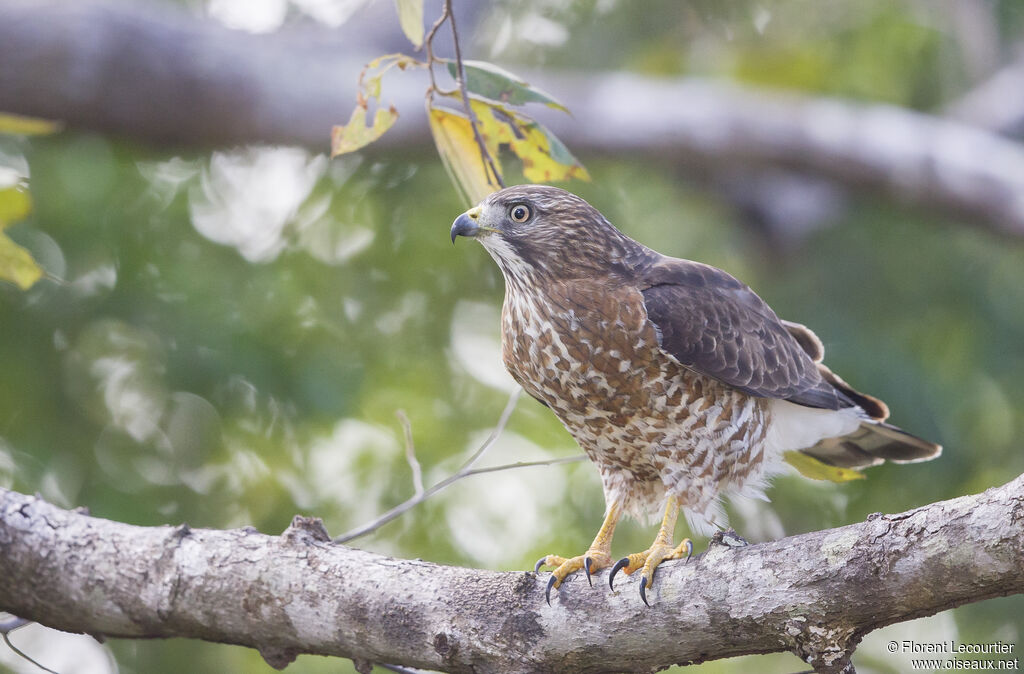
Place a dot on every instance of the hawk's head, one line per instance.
(536, 230)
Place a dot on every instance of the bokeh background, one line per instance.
(235, 328)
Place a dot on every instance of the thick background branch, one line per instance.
(159, 74)
(164, 76)
(815, 594)
(997, 104)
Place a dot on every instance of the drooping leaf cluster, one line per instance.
(16, 263)
(471, 124)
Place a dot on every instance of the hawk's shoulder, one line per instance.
(716, 325)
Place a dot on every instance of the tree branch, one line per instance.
(997, 104)
(914, 157)
(816, 594)
(163, 76)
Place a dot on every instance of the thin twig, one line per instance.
(429, 43)
(410, 453)
(526, 464)
(485, 155)
(461, 473)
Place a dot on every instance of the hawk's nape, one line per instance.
(675, 378)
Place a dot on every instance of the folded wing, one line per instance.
(714, 324)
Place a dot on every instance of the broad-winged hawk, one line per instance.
(675, 378)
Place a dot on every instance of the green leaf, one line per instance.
(357, 134)
(560, 153)
(410, 15)
(26, 126)
(818, 470)
(490, 81)
(16, 264)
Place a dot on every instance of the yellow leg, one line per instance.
(597, 556)
(660, 550)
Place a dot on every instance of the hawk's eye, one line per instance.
(519, 213)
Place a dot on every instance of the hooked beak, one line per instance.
(467, 224)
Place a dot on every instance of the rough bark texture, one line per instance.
(815, 594)
(164, 76)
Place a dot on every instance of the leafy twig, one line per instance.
(473, 121)
(526, 464)
(429, 44)
(490, 169)
(463, 469)
(469, 134)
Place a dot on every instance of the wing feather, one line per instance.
(714, 324)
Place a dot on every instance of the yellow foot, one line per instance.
(648, 560)
(590, 561)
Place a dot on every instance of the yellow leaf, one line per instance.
(453, 135)
(384, 58)
(16, 264)
(410, 15)
(495, 125)
(544, 157)
(818, 470)
(26, 126)
(373, 85)
(382, 64)
(357, 134)
(15, 204)
(537, 150)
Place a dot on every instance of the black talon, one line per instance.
(689, 551)
(643, 590)
(587, 563)
(619, 565)
(540, 563)
(547, 592)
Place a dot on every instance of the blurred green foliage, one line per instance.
(228, 351)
